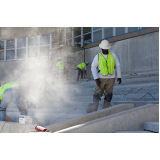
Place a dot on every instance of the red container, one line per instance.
(40, 128)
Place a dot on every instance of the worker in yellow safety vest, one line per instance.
(104, 67)
(81, 68)
(11, 92)
(60, 69)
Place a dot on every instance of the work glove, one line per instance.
(98, 82)
(119, 80)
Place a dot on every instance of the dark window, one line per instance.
(95, 28)
(44, 50)
(77, 31)
(120, 30)
(97, 36)
(1, 45)
(132, 29)
(108, 32)
(21, 53)
(32, 52)
(145, 27)
(77, 41)
(87, 38)
(21, 42)
(86, 29)
(10, 43)
(32, 41)
(1, 55)
(10, 54)
(44, 39)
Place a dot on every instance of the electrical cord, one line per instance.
(3, 126)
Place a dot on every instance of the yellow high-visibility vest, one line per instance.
(106, 67)
(6, 86)
(60, 64)
(81, 66)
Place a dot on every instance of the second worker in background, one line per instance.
(81, 68)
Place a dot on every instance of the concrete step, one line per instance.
(151, 126)
(132, 132)
(88, 91)
(89, 117)
(61, 107)
(129, 82)
(129, 120)
(129, 97)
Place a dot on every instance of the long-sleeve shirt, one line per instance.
(95, 67)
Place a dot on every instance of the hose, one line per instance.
(129, 91)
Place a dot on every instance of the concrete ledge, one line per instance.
(14, 127)
(133, 132)
(151, 126)
(90, 117)
(130, 120)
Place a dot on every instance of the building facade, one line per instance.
(25, 44)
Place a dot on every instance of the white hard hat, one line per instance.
(104, 45)
(86, 62)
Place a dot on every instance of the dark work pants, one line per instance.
(80, 72)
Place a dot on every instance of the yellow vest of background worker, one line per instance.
(60, 65)
(81, 66)
(106, 67)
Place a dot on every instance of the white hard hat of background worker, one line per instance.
(104, 45)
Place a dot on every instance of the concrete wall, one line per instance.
(139, 54)
(19, 32)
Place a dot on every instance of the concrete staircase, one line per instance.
(73, 97)
(134, 120)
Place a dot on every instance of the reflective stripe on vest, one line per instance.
(81, 66)
(6, 86)
(106, 67)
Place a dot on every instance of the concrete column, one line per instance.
(114, 31)
(38, 46)
(72, 36)
(58, 39)
(126, 29)
(91, 34)
(65, 36)
(15, 48)
(5, 50)
(102, 32)
(50, 45)
(26, 47)
(82, 37)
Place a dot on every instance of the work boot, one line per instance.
(91, 107)
(105, 104)
(96, 99)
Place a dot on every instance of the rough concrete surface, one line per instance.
(90, 117)
(130, 120)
